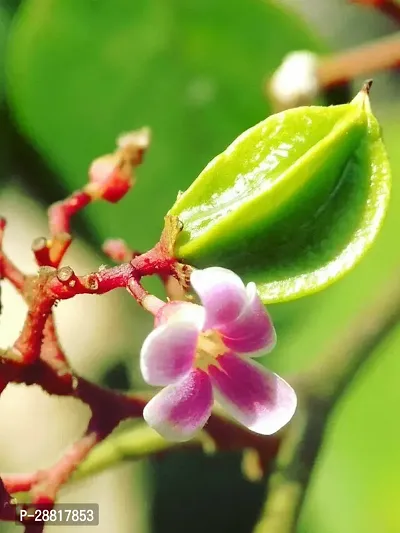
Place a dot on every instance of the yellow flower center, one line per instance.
(209, 347)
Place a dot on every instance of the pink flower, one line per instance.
(201, 352)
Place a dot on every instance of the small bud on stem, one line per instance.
(111, 176)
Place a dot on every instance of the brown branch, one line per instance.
(328, 74)
(361, 62)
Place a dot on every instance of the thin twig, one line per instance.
(304, 75)
(362, 61)
(7, 268)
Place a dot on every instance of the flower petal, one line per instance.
(222, 293)
(257, 398)
(181, 312)
(252, 333)
(179, 411)
(168, 353)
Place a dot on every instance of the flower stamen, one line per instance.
(209, 347)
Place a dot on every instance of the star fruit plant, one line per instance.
(288, 208)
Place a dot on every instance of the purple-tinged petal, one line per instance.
(257, 398)
(252, 333)
(180, 410)
(181, 312)
(222, 293)
(168, 353)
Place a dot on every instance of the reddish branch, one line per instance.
(362, 61)
(119, 251)
(108, 408)
(37, 357)
(7, 269)
(334, 70)
(60, 213)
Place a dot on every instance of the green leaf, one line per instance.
(4, 25)
(293, 203)
(80, 72)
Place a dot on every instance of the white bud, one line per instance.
(295, 82)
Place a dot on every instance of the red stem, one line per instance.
(40, 249)
(37, 357)
(7, 269)
(60, 213)
(59, 245)
(119, 251)
(109, 408)
(51, 352)
(29, 343)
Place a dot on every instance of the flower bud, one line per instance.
(111, 176)
(134, 144)
(295, 82)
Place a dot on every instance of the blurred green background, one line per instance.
(76, 73)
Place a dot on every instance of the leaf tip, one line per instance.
(362, 98)
(367, 86)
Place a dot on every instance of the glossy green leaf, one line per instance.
(293, 203)
(80, 72)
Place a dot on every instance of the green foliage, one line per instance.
(81, 72)
(4, 24)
